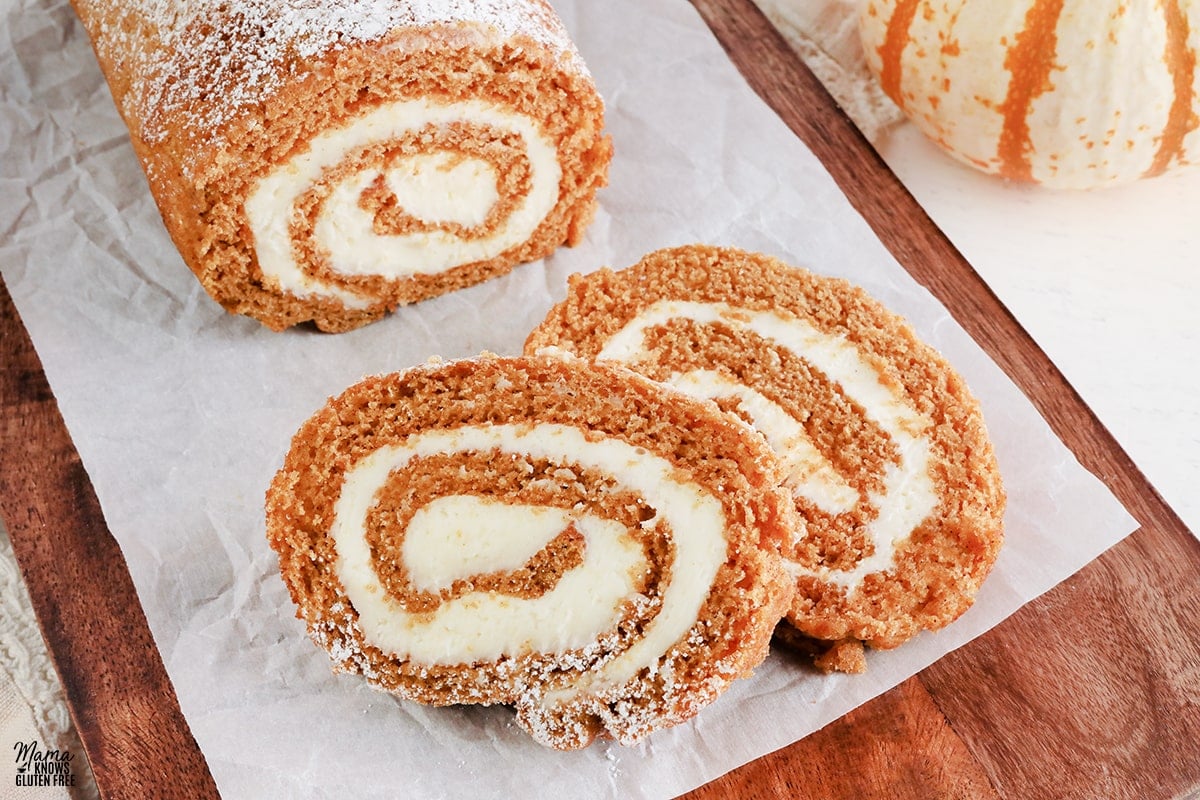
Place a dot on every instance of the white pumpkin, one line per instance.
(1065, 93)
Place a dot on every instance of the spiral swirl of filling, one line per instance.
(413, 187)
(904, 496)
(454, 539)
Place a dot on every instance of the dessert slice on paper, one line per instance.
(593, 548)
(889, 464)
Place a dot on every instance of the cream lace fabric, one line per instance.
(825, 34)
(32, 707)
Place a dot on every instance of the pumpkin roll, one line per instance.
(887, 458)
(592, 548)
(329, 160)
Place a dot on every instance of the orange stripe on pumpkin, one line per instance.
(1181, 61)
(1030, 60)
(893, 47)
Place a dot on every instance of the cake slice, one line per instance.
(899, 498)
(595, 549)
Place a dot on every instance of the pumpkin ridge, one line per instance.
(1030, 61)
(892, 49)
(1181, 62)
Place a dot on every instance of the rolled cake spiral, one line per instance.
(592, 548)
(899, 496)
(329, 160)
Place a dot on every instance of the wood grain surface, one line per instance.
(1092, 691)
(120, 698)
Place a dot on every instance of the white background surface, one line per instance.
(1106, 282)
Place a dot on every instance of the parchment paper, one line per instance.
(182, 413)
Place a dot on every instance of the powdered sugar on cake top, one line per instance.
(208, 59)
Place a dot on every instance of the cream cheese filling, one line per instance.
(908, 495)
(459, 536)
(446, 538)
(429, 186)
(809, 475)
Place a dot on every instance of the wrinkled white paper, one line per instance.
(182, 413)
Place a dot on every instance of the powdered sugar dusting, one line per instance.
(208, 59)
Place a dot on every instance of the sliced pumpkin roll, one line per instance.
(888, 461)
(588, 546)
(329, 161)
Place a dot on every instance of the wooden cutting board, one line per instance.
(1092, 691)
